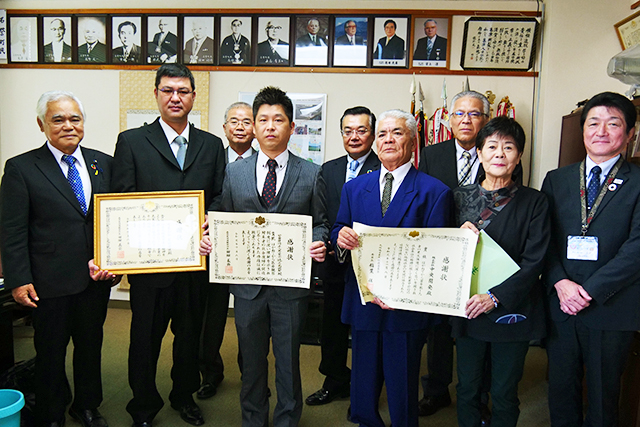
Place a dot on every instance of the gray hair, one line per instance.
(238, 104)
(53, 96)
(409, 120)
(473, 94)
(430, 20)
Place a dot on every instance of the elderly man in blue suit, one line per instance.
(387, 343)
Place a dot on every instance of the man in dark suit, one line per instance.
(57, 50)
(164, 46)
(92, 50)
(390, 46)
(167, 155)
(129, 52)
(350, 38)
(274, 181)
(432, 47)
(312, 38)
(357, 127)
(199, 48)
(235, 48)
(273, 50)
(592, 276)
(46, 236)
(238, 129)
(395, 196)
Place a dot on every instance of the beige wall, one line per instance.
(579, 40)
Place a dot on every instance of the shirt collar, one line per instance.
(398, 174)
(172, 134)
(58, 154)
(360, 161)
(282, 159)
(604, 166)
(460, 150)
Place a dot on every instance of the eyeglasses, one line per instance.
(349, 132)
(181, 92)
(235, 123)
(473, 115)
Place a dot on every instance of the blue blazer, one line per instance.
(421, 201)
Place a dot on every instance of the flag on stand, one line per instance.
(439, 129)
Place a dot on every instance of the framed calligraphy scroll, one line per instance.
(499, 44)
(152, 232)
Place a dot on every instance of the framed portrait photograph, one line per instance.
(273, 40)
(126, 40)
(431, 42)
(390, 34)
(198, 33)
(57, 35)
(312, 38)
(162, 39)
(499, 44)
(350, 41)
(24, 38)
(235, 48)
(92, 39)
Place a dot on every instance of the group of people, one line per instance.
(576, 243)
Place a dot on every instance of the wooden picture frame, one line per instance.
(628, 30)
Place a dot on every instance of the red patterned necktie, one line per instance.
(269, 189)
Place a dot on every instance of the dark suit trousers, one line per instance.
(215, 320)
(439, 359)
(57, 320)
(391, 358)
(269, 315)
(507, 364)
(152, 309)
(571, 347)
(334, 339)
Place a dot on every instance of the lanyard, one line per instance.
(587, 218)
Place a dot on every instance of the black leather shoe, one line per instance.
(429, 405)
(207, 391)
(142, 424)
(190, 413)
(324, 396)
(88, 417)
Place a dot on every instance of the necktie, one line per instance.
(351, 173)
(464, 176)
(386, 193)
(269, 189)
(353, 41)
(313, 39)
(182, 149)
(594, 185)
(239, 158)
(429, 47)
(74, 181)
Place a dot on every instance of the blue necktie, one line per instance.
(269, 189)
(74, 181)
(429, 47)
(594, 185)
(182, 149)
(351, 173)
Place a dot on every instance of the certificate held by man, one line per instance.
(260, 249)
(421, 269)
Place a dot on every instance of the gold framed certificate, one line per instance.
(152, 232)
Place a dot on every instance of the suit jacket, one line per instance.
(438, 51)
(97, 54)
(613, 281)
(522, 229)
(302, 192)
(45, 237)
(344, 40)
(204, 55)
(421, 201)
(266, 55)
(227, 56)
(306, 41)
(439, 161)
(392, 50)
(169, 44)
(48, 53)
(143, 161)
(134, 56)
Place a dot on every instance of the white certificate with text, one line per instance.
(260, 249)
(418, 269)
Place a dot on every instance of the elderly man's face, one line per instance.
(24, 28)
(126, 35)
(351, 28)
(465, 128)
(430, 28)
(390, 29)
(239, 127)
(163, 25)
(57, 30)
(395, 143)
(313, 27)
(198, 30)
(235, 27)
(272, 32)
(91, 32)
(63, 125)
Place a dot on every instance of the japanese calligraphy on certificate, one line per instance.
(148, 232)
(418, 269)
(260, 249)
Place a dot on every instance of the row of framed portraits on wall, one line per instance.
(231, 40)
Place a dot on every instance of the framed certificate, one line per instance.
(151, 232)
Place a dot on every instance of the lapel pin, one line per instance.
(612, 187)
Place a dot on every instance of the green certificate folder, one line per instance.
(491, 265)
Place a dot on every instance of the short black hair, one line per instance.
(502, 126)
(272, 95)
(355, 111)
(125, 23)
(612, 100)
(395, 26)
(175, 70)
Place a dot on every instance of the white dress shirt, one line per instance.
(80, 165)
(398, 176)
(262, 169)
(172, 134)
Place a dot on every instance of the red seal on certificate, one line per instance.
(120, 254)
(228, 269)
